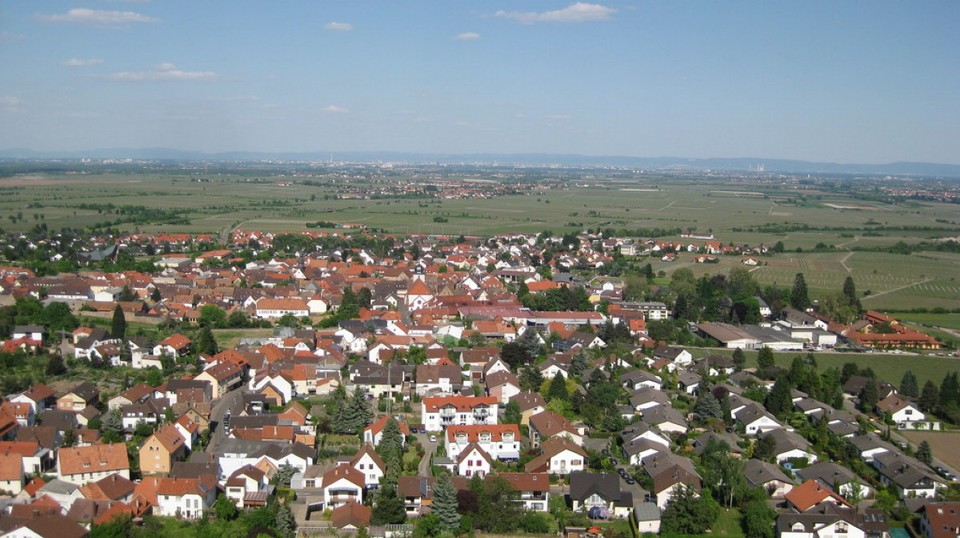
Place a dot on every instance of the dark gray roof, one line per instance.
(584, 484)
(759, 473)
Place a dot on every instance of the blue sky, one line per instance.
(850, 81)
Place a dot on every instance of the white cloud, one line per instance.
(82, 62)
(97, 17)
(338, 26)
(166, 71)
(334, 109)
(579, 12)
(7, 36)
(468, 36)
(10, 103)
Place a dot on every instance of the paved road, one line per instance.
(428, 450)
(233, 401)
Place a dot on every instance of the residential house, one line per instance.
(440, 411)
(838, 478)
(80, 465)
(368, 462)
(600, 494)
(499, 441)
(910, 477)
(558, 455)
(161, 449)
(548, 424)
(940, 519)
(530, 404)
(810, 494)
(341, 485)
(769, 477)
(902, 410)
(222, 377)
(350, 517)
(188, 498)
(79, 397)
(373, 433)
(533, 488)
(175, 345)
(473, 460)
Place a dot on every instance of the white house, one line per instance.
(439, 411)
(500, 441)
(368, 462)
(187, 498)
(473, 460)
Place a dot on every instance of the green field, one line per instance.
(950, 321)
(252, 200)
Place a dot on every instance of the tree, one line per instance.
(558, 388)
(869, 396)
(739, 359)
(57, 317)
(764, 448)
(237, 319)
(908, 385)
(118, 326)
(284, 522)
(55, 366)
(206, 343)
(925, 453)
(530, 342)
(799, 297)
(723, 474)
(512, 415)
(514, 354)
(779, 401)
(687, 513)
(578, 363)
(930, 397)
(224, 508)
(212, 315)
(445, 503)
(530, 378)
(389, 507)
(707, 406)
(759, 519)
(391, 449)
(850, 293)
(765, 359)
(661, 330)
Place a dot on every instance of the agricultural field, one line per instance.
(194, 201)
(942, 444)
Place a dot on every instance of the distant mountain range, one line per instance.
(525, 159)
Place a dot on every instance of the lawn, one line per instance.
(950, 321)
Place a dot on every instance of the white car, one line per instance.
(433, 438)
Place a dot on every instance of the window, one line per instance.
(842, 527)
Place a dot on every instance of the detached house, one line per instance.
(902, 410)
(79, 397)
(341, 485)
(559, 456)
(80, 465)
(161, 449)
(175, 345)
(188, 498)
(223, 377)
(500, 441)
(600, 494)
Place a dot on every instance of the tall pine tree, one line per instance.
(445, 503)
(908, 385)
(118, 326)
(799, 297)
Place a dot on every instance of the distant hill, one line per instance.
(526, 159)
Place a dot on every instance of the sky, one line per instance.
(850, 82)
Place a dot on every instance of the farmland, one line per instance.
(837, 224)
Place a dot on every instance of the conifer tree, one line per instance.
(118, 326)
(445, 503)
(908, 385)
(930, 397)
(558, 388)
(799, 297)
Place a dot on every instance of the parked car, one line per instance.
(433, 438)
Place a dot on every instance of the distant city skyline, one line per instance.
(843, 82)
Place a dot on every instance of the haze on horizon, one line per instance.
(846, 82)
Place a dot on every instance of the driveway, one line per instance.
(428, 451)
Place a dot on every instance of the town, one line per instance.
(328, 381)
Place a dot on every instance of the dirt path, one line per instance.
(843, 261)
(924, 281)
